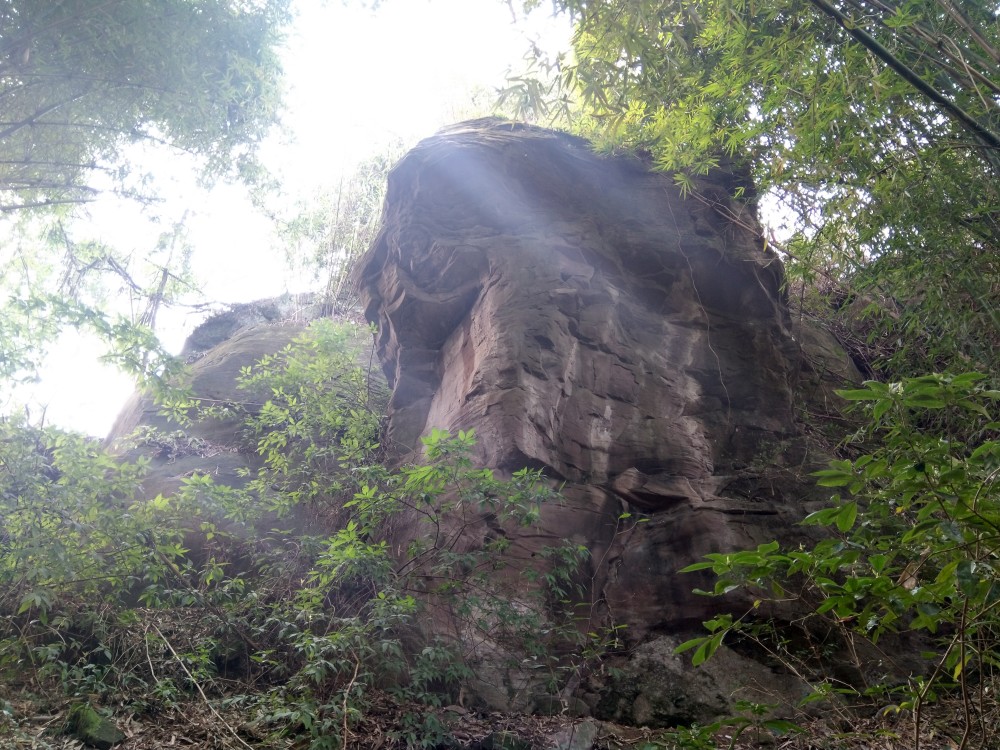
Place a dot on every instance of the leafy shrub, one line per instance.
(315, 622)
(357, 614)
(914, 544)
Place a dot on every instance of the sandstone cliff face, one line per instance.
(582, 316)
(586, 319)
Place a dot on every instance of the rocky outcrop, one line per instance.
(220, 444)
(582, 316)
(215, 446)
(585, 319)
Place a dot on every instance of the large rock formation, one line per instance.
(584, 317)
(217, 351)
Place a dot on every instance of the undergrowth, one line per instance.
(904, 586)
(401, 581)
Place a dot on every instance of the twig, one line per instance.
(149, 660)
(966, 710)
(200, 691)
(347, 694)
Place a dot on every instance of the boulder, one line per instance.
(221, 446)
(214, 446)
(92, 729)
(585, 317)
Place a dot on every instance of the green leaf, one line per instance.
(833, 477)
(691, 644)
(823, 517)
(781, 726)
(859, 394)
(925, 401)
(697, 566)
(968, 581)
(707, 649)
(847, 516)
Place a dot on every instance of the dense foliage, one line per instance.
(873, 126)
(913, 548)
(83, 86)
(80, 79)
(299, 588)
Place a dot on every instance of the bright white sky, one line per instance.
(357, 79)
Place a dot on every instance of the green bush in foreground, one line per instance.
(914, 543)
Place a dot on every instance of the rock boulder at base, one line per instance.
(584, 317)
(93, 729)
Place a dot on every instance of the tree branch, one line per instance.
(987, 137)
(15, 127)
(15, 187)
(963, 20)
(43, 204)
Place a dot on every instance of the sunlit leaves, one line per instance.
(84, 80)
(81, 82)
(314, 412)
(329, 232)
(67, 518)
(882, 188)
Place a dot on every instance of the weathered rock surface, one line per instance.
(583, 317)
(214, 446)
(219, 446)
